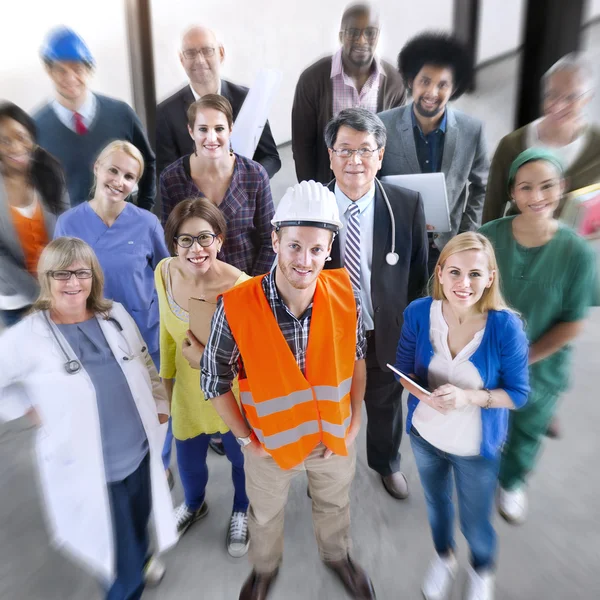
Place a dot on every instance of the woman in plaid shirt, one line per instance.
(237, 185)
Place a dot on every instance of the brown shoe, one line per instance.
(256, 587)
(354, 578)
(396, 485)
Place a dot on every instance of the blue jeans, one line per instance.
(476, 479)
(168, 445)
(193, 471)
(130, 502)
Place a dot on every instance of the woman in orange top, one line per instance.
(32, 195)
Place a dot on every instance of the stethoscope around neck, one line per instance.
(73, 366)
(391, 258)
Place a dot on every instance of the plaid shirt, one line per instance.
(345, 94)
(220, 362)
(247, 208)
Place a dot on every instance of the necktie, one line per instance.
(352, 250)
(80, 127)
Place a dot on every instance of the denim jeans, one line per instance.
(476, 480)
(193, 471)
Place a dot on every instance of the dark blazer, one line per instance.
(393, 288)
(173, 140)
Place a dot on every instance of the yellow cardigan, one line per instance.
(192, 415)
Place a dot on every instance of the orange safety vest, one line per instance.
(292, 413)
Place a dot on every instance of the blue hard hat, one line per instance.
(63, 43)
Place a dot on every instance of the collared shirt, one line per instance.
(197, 96)
(430, 147)
(220, 361)
(345, 94)
(366, 217)
(67, 117)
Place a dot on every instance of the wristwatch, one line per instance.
(245, 441)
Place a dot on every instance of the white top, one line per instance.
(459, 431)
(29, 210)
(67, 117)
(197, 96)
(366, 217)
(568, 154)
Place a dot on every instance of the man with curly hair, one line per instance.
(427, 136)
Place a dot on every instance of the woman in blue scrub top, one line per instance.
(128, 241)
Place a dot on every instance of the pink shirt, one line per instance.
(345, 94)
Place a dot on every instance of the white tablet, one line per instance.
(409, 381)
(432, 187)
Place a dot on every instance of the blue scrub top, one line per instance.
(128, 253)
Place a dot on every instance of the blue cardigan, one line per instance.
(501, 360)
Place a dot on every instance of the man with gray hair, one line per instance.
(383, 245)
(201, 56)
(567, 90)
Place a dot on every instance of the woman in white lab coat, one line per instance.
(102, 415)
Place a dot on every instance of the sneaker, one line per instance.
(185, 517)
(440, 577)
(154, 571)
(217, 446)
(512, 505)
(238, 539)
(480, 585)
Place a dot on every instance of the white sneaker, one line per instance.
(440, 577)
(480, 586)
(154, 571)
(512, 505)
(238, 538)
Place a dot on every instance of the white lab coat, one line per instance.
(68, 445)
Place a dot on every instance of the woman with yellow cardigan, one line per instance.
(194, 232)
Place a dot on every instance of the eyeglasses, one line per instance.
(66, 275)
(348, 152)
(192, 53)
(187, 241)
(353, 34)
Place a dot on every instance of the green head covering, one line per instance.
(530, 155)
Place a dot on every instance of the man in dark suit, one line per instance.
(389, 275)
(201, 56)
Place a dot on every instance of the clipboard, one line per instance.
(201, 313)
(419, 392)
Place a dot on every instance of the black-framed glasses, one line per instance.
(371, 33)
(205, 239)
(348, 152)
(192, 53)
(65, 275)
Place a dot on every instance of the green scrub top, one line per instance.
(547, 285)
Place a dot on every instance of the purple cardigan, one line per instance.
(247, 208)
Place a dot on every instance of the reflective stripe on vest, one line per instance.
(278, 440)
(321, 392)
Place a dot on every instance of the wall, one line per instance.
(500, 27)
(282, 35)
(23, 79)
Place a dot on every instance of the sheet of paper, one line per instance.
(253, 115)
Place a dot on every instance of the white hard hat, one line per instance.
(310, 204)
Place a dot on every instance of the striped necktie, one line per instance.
(352, 250)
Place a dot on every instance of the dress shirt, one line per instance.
(87, 111)
(197, 96)
(430, 147)
(366, 207)
(345, 94)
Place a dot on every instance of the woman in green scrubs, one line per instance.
(548, 274)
